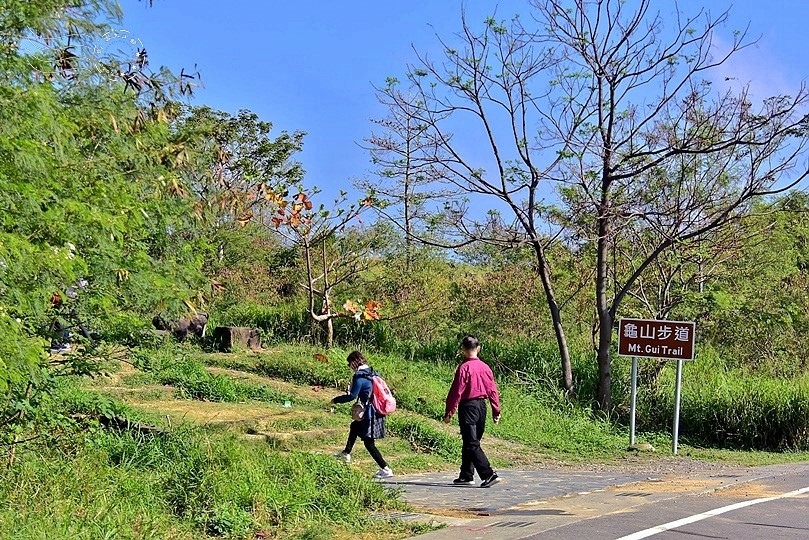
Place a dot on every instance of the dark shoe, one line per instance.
(493, 479)
(463, 482)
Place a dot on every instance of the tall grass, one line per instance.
(277, 323)
(534, 362)
(425, 438)
(292, 324)
(174, 365)
(720, 407)
(731, 408)
(723, 407)
(50, 495)
(748, 412)
(189, 484)
(298, 365)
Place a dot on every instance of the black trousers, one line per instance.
(370, 444)
(472, 419)
(61, 325)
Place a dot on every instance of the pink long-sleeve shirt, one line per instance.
(473, 379)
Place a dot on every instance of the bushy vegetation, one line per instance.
(185, 482)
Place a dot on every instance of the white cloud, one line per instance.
(755, 66)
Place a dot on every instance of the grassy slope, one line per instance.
(239, 461)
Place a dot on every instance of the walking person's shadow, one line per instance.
(448, 484)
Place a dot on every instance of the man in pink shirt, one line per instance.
(473, 384)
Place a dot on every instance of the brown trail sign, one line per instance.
(653, 338)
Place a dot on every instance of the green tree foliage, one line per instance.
(757, 310)
(235, 169)
(88, 190)
(233, 164)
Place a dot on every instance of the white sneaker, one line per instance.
(64, 347)
(384, 473)
(342, 456)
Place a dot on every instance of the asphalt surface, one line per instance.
(738, 503)
(435, 491)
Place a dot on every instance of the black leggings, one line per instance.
(370, 444)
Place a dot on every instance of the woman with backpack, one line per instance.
(368, 424)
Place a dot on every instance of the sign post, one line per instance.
(633, 400)
(675, 428)
(654, 338)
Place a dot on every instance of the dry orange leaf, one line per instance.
(351, 307)
(371, 312)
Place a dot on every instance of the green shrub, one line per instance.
(129, 328)
(155, 359)
(227, 519)
(71, 399)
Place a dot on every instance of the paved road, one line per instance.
(762, 502)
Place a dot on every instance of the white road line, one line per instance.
(710, 513)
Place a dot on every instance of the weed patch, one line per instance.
(424, 438)
(194, 382)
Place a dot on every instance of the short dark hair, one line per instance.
(356, 357)
(469, 343)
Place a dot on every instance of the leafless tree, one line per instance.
(658, 147)
(604, 102)
(404, 179)
(332, 255)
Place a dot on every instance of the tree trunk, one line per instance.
(556, 317)
(408, 226)
(329, 332)
(327, 298)
(604, 392)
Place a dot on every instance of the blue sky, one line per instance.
(310, 64)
